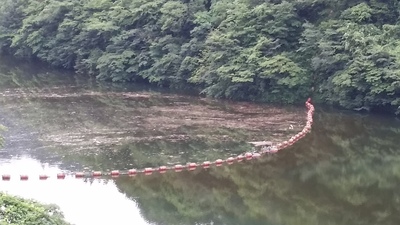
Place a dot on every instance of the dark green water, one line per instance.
(346, 171)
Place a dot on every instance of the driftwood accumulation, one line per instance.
(261, 143)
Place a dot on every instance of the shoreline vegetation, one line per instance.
(344, 53)
(16, 210)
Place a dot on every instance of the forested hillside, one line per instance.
(342, 52)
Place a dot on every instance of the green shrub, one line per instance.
(19, 211)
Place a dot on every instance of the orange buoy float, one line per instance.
(219, 162)
(43, 177)
(162, 169)
(206, 164)
(248, 155)
(148, 171)
(192, 166)
(96, 174)
(178, 168)
(230, 160)
(132, 172)
(240, 158)
(79, 175)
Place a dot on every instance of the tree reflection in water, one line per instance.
(347, 171)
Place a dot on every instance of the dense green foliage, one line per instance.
(17, 211)
(343, 52)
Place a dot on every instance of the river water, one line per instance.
(346, 171)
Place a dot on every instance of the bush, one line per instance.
(19, 211)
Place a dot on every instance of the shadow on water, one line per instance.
(347, 171)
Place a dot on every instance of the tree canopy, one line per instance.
(344, 52)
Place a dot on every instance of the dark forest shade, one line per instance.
(343, 52)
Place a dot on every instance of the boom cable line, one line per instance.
(179, 168)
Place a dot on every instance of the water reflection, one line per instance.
(82, 203)
(347, 171)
